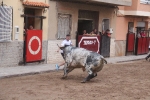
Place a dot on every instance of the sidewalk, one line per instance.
(41, 68)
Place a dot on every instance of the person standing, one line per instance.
(94, 32)
(31, 27)
(105, 43)
(85, 33)
(66, 42)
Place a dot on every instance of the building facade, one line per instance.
(12, 25)
(72, 17)
(61, 17)
(128, 19)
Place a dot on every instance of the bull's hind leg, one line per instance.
(87, 78)
(88, 69)
(92, 76)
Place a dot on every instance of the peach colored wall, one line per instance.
(121, 7)
(136, 6)
(121, 28)
(143, 7)
(122, 25)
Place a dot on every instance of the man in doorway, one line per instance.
(31, 27)
(105, 43)
(66, 42)
(94, 32)
(107, 33)
(85, 33)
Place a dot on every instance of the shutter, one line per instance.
(5, 23)
(64, 24)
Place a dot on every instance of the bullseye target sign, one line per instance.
(33, 45)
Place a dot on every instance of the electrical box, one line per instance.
(111, 30)
(16, 32)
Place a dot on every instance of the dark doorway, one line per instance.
(31, 12)
(105, 40)
(87, 20)
(33, 21)
(85, 25)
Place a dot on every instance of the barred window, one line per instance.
(64, 25)
(5, 23)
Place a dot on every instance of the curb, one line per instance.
(29, 73)
(130, 60)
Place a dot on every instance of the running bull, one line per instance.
(76, 57)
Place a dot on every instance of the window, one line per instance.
(131, 27)
(5, 23)
(64, 25)
(145, 1)
(105, 24)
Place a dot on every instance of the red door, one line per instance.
(33, 45)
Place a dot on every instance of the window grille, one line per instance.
(64, 25)
(5, 23)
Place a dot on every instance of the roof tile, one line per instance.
(35, 4)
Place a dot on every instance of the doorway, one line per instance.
(33, 21)
(85, 25)
(105, 40)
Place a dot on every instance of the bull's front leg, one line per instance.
(67, 69)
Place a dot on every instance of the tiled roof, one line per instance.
(35, 4)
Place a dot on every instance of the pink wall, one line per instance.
(136, 6)
(121, 28)
(122, 25)
(143, 7)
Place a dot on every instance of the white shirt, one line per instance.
(65, 42)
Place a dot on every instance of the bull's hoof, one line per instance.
(64, 77)
(83, 81)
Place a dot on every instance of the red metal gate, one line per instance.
(33, 45)
(130, 42)
(142, 45)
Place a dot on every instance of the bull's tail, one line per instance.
(104, 60)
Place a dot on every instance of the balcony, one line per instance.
(102, 2)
